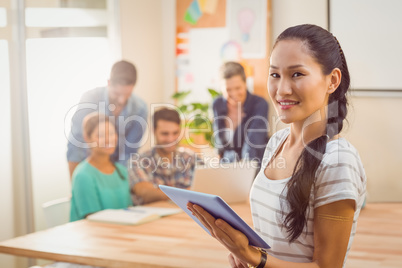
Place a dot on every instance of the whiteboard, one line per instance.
(370, 32)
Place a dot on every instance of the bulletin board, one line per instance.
(206, 37)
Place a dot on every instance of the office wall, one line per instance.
(374, 124)
(353, 20)
(147, 33)
(286, 13)
(148, 40)
(169, 49)
(376, 132)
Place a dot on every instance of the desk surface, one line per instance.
(173, 241)
(177, 241)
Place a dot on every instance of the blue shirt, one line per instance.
(130, 125)
(251, 135)
(93, 190)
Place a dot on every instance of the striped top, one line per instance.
(340, 176)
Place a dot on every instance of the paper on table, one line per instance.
(132, 215)
(123, 216)
(162, 212)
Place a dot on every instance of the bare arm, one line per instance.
(332, 227)
(71, 167)
(148, 193)
(329, 246)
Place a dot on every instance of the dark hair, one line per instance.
(89, 124)
(231, 68)
(123, 73)
(166, 114)
(92, 121)
(326, 50)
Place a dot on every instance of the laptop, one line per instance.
(231, 181)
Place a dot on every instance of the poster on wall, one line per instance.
(247, 25)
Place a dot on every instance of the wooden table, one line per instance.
(173, 241)
(177, 241)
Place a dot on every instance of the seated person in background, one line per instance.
(99, 183)
(166, 163)
(240, 118)
(118, 100)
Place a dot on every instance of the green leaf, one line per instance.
(213, 93)
(197, 106)
(208, 137)
(183, 108)
(181, 95)
(204, 107)
(196, 114)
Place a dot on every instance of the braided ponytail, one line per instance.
(325, 49)
(337, 102)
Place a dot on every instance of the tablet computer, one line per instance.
(216, 207)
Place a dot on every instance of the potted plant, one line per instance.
(197, 118)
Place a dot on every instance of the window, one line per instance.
(68, 51)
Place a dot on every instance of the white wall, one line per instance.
(286, 13)
(168, 48)
(148, 40)
(6, 179)
(141, 38)
(376, 132)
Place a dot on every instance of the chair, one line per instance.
(57, 211)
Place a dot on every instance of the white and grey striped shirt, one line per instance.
(340, 176)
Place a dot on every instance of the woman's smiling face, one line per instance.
(296, 83)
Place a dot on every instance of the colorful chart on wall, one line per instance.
(200, 13)
(211, 32)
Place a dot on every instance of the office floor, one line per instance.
(378, 242)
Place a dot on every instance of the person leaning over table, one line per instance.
(98, 182)
(307, 209)
(118, 101)
(166, 163)
(240, 118)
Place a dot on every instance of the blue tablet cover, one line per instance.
(216, 207)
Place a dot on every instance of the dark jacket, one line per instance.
(250, 136)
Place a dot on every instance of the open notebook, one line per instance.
(132, 215)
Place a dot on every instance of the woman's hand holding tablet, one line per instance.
(216, 217)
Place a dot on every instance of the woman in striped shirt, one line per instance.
(307, 197)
